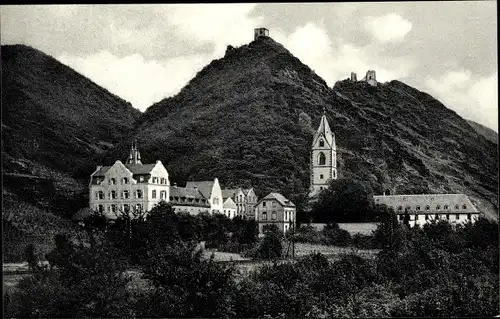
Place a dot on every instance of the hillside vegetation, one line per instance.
(248, 119)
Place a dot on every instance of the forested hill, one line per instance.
(248, 119)
(54, 121)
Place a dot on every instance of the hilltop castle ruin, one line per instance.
(369, 78)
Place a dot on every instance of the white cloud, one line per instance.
(472, 97)
(388, 28)
(214, 23)
(314, 47)
(135, 79)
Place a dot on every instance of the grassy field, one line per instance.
(352, 228)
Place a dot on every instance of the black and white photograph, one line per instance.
(250, 160)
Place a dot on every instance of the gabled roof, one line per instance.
(102, 171)
(285, 202)
(140, 169)
(185, 192)
(324, 130)
(205, 187)
(229, 203)
(246, 191)
(229, 192)
(136, 169)
(431, 200)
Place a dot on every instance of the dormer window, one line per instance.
(321, 143)
(438, 207)
(428, 207)
(464, 206)
(445, 207)
(141, 179)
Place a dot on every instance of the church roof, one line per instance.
(280, 198)
(324, 130)
(205, 187)
(436, 203)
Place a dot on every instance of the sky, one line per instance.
(144, 53)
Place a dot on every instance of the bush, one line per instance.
(271, 246)
(333, 235)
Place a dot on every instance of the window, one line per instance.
(446, 207)
(138, 207)
(153, 193)
(437, 217)
(112, 181)
(427, 207)
(469, 216)
(125, 194)
(448, 216)
(286, 215)
(321, 188)
(141, 179)
(334, 174)
(457, 216)
(321, 176)
(163, 194)
(321, 158)
(416, 217)
(125, 180)
(263, 204)
(400, 208)
(464, 206)
(426, 217)
(113, 194)
(274, 204)
(155, 180)
(215, 201)
(264, 216)
(418, 207)
(438, 207)
(101, 209)
(113, 208)
(273, 215)
(139, 193)
(126, 208)
(457, 207)
(321, 143)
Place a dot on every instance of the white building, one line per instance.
(275, 209)
(245, 200)
(230, 209)
(126, 187)
(211, 191)
(423, 208)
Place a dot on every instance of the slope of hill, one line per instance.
(54, 120)
(248, 118)
(485, 131)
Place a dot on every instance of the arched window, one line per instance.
(321, 143)
(438, 207)
(428, 207)
(457, 207)
(113, 195)
(418, 207)
(112, 181)
(445, 207)
(464, 206)
(100, 194)
(125, 194)
(125, 180)
(321, 159)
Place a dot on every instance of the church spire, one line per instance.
(134, 156)
(325, 131)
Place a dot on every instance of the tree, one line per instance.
(271, 246)
(345, 200)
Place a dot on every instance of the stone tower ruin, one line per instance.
(260, 32)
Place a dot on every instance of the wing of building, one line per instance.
(423, 208)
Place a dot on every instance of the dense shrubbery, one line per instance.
(331, 234)
(436, 270)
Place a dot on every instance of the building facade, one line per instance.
(323, 162)
(229, 207)
(275, 209)
(244, 199)
(130, 187)
(211, 191)
(188, 201)
(424, 208)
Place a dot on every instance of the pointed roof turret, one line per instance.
(134, 156)
(324, 130)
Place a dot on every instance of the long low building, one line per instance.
(423, 208)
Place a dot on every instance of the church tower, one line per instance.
(323, 157)
(134, 156)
